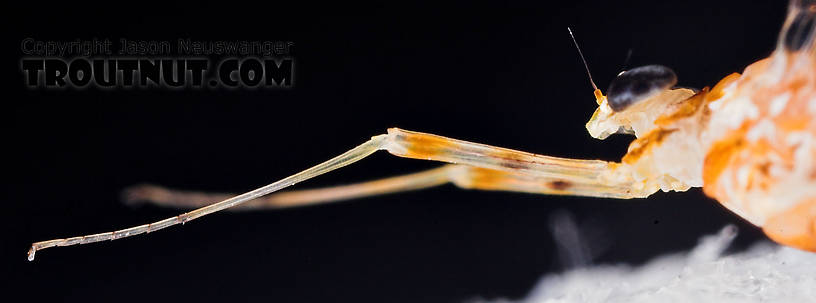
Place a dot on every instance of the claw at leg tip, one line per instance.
(31, 252)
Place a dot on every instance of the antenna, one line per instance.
(626, 61)
(582, 59)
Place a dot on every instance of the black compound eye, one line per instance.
(638, 84)
(801, 30)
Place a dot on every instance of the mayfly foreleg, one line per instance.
(482, 167)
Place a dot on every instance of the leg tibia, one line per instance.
(488, 179)
(496, 168)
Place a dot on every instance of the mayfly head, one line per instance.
(635, 98)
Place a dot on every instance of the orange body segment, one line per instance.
(795, 227)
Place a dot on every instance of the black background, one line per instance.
(500, 74)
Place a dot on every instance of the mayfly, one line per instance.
(750, 142)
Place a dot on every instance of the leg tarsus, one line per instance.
(158, 195)
(351, 156)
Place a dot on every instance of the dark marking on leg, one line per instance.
(559, 185)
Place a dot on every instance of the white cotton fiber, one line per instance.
(765, 273)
